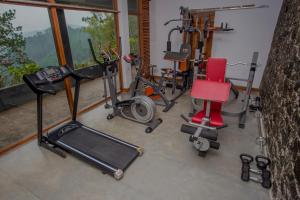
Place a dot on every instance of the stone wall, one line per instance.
(281, 103)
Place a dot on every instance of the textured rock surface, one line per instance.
(281, 101)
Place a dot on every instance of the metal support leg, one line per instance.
(174, 78)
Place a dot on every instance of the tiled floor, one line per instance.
(169, 169)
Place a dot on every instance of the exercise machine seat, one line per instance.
(212, 89)
(216, 119)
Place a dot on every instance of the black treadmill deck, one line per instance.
(97, 147)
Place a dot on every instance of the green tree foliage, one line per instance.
(14, 63)
(19, 71)
(12, 42)
(133, 34)
(101, 27)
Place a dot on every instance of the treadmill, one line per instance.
(110, 154)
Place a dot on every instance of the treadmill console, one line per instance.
(52, 74)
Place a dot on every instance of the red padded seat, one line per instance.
(216, 119)
(207, 90)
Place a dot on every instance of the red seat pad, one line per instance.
(210, 90)
(216, 119)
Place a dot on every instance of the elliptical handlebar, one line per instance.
(108, 61)
(133, 59)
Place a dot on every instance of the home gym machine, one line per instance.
(206, 25)
(196, 29)
(139, 109)
(182, 57)
(155, 89)
(110, 154)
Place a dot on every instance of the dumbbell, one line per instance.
(262, 163)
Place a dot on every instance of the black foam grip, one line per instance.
(245, 176)
(169, 45)
(211, 135)
(205, 134)
(214, 145)
(188, 129)
(266, 179)
(200, 45)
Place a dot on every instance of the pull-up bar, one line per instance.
(238, 7)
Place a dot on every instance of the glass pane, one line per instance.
(100, 28)
(26, 44)
(97, 3)
(132, 6)
(133, 33)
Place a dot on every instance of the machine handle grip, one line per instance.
(81, 77)
(45, 91)
(266, 179)
(169, 45)
(200, 45)
(214, 144)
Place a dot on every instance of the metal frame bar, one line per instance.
(242, 114)
(104, 165)
(58, 5)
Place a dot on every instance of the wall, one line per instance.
(124, 34)
(253, 31)
(281, 103)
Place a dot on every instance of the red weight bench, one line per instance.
(214, 91)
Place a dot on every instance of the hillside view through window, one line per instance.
(25, 45)
(28, 45)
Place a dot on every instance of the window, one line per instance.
(133, 22)
(81, 25)
(100, 28)
(132, 6)
(133, 33)
(25, 45)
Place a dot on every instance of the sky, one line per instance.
(37, 19)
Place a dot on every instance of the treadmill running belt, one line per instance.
(100, 148)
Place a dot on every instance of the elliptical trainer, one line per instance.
(140, 108)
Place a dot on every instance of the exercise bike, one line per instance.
(140, 108)
(154, 90)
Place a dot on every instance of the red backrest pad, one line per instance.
(215, 71)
